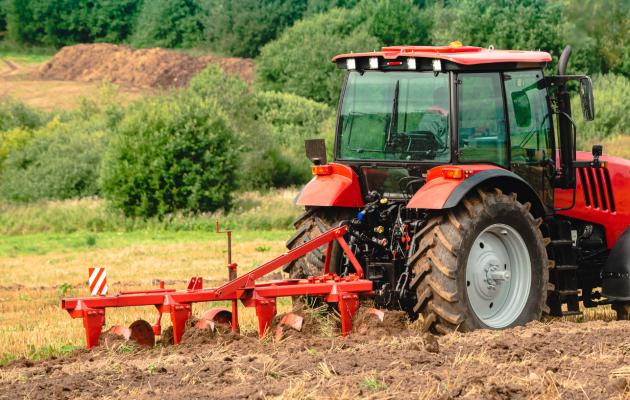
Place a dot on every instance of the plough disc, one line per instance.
(218, 315)
(139, 331)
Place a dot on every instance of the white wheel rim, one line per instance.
(498, 276)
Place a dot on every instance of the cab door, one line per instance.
(529, 125)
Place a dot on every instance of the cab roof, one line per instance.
(456, 53)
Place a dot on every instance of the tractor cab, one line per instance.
(407, 109)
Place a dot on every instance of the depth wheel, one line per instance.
(309, 225)
(482, 264)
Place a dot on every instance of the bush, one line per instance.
(61, 161)
(288, 65)
(240, 28)
(170, 23)
(14, 114)
(271, 128)
(612, 96)
(168, 154)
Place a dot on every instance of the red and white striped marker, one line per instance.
(98, 281)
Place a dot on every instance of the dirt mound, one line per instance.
(155, 68)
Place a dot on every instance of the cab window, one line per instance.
(482, 125)
(530, 123)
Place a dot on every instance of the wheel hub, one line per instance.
(498, 275)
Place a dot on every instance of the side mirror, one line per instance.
(586, 98)
(316, 151)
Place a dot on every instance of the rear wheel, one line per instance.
(482, 264)
(309, 225)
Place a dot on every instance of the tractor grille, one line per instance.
(597, 188)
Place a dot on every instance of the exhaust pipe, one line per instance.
(564, 60)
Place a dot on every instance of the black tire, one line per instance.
(309, 225)
(441, 251)
(622, 309)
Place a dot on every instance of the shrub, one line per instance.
(289, 120)
(271, 128)
(240, 28)
(612, 96)
(286, 64)
(171, 153)
(13, 140)
(61, 161)
(170, 23)
(14, 114)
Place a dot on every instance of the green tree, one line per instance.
(321, 6)
(397, 22)
(505, 24)
(299, 60)
(241, 27)
(599, 31)
(62, 22)
(113, 20)
(170, 23)
(3, 19)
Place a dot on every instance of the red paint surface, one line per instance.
(434, 194)
(614, 222)
(465, 55)
(339, 189)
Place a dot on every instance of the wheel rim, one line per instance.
(498, 276)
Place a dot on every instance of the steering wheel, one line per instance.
(418, 144)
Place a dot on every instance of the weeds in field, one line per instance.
(372, 382)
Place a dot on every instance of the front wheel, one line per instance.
(481, 265)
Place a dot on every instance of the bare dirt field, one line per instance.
(561, 360)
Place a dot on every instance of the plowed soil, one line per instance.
(154, 68)
(382, 360)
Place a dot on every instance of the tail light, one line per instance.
(453, 173)
(321, 170)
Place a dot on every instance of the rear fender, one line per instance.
(339, 189)
(616, 273)
(442, 193)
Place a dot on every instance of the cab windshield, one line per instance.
(395, 116)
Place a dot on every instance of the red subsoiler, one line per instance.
(343, 290)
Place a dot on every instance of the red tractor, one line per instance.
(456, 172)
